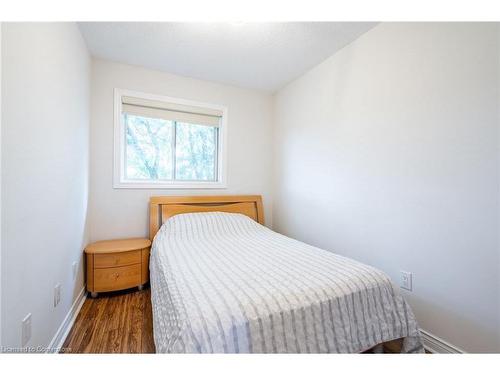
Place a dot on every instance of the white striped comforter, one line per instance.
(223, 283)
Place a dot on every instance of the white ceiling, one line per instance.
(262, 56)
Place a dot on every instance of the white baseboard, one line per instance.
(58, 340)
(435, 344)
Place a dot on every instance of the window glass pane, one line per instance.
(148, 154)
(196, 152)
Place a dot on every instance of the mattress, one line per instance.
(222, 283)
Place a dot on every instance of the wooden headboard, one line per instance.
(163, 208)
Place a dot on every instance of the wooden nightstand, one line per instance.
(117, 264)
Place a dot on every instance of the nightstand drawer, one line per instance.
(117, 259)
(116, 278)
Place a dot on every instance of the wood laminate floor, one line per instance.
(118, 322)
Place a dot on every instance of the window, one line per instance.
(163, 142)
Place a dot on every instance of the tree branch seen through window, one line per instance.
(150, 148)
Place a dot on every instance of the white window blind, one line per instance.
(171, 111)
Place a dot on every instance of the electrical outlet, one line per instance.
(74, 268)
(406, 280)
(57, 294)
(26, 330)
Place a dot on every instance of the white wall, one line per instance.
(116, 213)
(0, 184)
(387, 152)
(45, 124)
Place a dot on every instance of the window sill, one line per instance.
(169, 185)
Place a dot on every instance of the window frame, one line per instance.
(119, 180)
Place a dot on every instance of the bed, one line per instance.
(221, 282)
